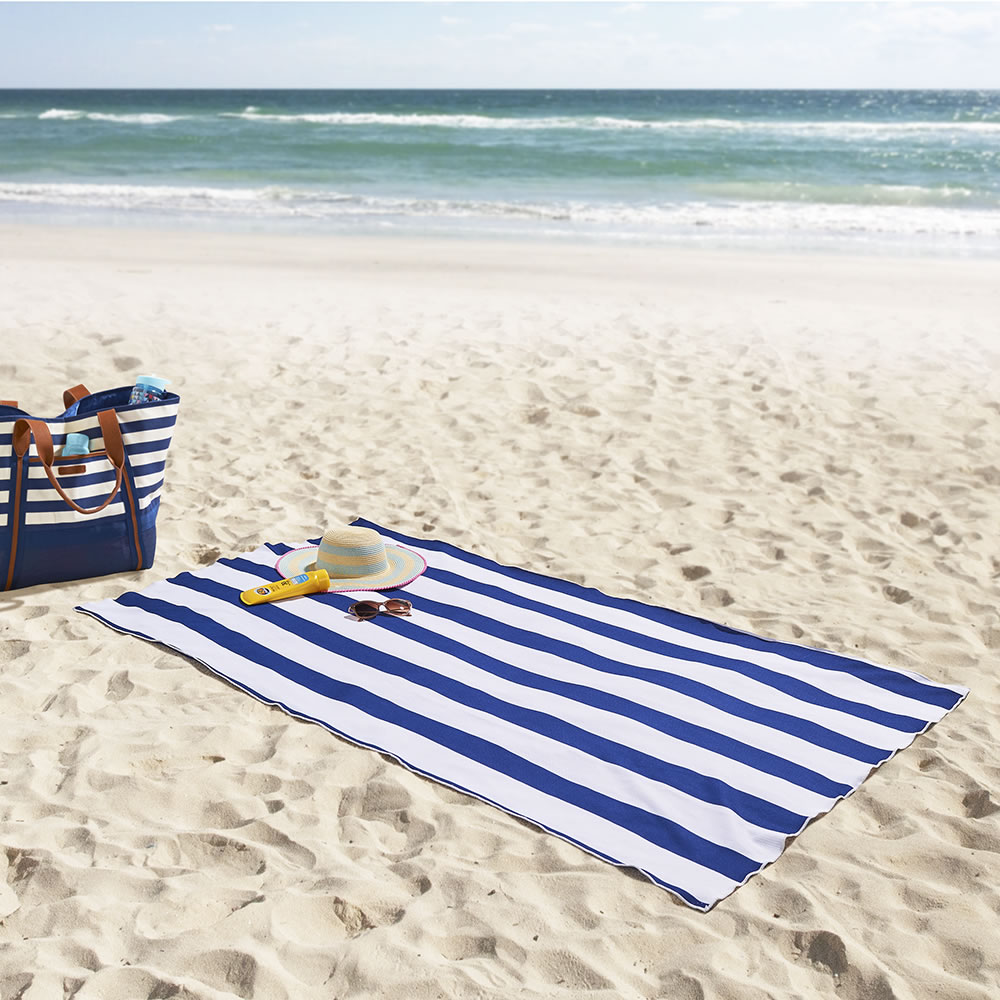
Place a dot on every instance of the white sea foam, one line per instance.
(730, 217)
(844, 129)
(886, 195)
(72, 114)
(415, 119)
(833, 129)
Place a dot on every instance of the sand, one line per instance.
(804, 446)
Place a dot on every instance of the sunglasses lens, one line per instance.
(364, 609)
(397, 606)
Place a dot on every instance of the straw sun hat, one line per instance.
(356, 559)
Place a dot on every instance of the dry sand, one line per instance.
(803, 446)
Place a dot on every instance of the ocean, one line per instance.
(880, 171)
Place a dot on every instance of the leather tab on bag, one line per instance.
(71, 396)
(70, 470)
(9, 402)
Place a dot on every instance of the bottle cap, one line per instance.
(153, 382)
(76, 444)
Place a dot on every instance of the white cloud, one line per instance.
(927, 21)
(721, 12)
(219, 28)
(528, 27)
(447, 19)
(468, 42)
(969, 17)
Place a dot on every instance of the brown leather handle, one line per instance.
(113, 445)
(74, 395)
(9, 402)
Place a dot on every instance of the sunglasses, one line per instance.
(366, 610)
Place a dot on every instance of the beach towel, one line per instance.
(652, 739)
(71, 517)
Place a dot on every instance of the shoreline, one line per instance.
(793, 240)
(53, 238)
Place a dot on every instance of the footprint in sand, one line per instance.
(203, 851)
(979, 804)
(119, 686)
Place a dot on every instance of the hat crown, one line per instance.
(356, 558)
(346, 553)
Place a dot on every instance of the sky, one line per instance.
(489, 44)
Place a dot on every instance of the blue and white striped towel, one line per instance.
(647, 737)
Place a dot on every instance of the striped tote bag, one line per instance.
(67, 518)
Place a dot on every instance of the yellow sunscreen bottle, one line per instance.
(304, 583)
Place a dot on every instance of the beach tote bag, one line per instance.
(67, 518)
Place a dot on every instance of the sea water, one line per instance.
(880, 170)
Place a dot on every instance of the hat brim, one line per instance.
(405, 566)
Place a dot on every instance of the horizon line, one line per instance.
(507, 89)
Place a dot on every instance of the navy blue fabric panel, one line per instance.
(49, 553)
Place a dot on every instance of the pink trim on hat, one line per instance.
(301, 548)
